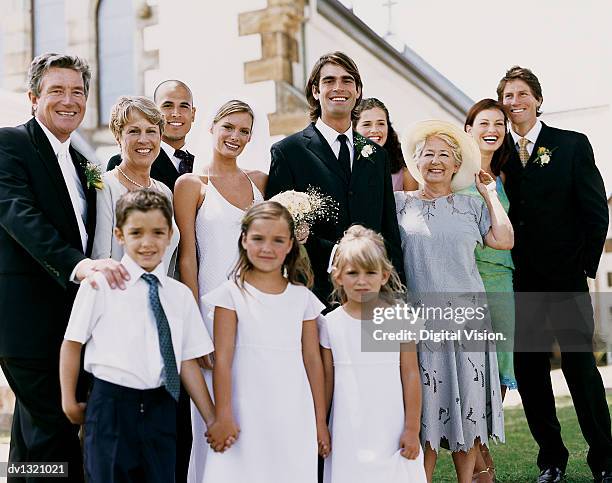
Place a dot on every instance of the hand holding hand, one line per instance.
(323, 440)
(115, 273)
(222, 434)
(409, 444)
(74, 411)
(207, 361)
(483, 183)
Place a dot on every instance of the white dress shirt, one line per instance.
(121, 332)
(71, 178)
(331, 136)
(169, 150)
(531, 136)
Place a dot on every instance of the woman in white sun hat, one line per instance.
(440, 229)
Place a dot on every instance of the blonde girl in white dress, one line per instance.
(208, 210)
(268, 374)
(376, 411)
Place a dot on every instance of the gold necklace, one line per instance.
(134, 182)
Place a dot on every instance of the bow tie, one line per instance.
(186, 164)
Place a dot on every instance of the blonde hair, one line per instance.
(125, 106)
(364, 248)
(232, 107)
(447, 138)
(295, 267)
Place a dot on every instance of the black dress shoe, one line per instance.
(605, 477)
(551, 475)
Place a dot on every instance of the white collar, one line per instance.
(331, 135)
(136, 271)
(169, 150)
(531, 136)
(56, 144)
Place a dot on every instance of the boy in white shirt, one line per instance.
(138, 341)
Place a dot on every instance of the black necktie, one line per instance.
(186, 164)
(171, 376)
(344, 157)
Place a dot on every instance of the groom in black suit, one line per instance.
(175, 100)
(47, 221)
(330, 156)
(560, 216)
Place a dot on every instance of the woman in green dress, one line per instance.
(486, 121)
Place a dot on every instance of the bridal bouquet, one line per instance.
(307, 208)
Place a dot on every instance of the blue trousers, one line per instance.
(130, 435)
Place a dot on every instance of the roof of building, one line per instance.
(407, 63)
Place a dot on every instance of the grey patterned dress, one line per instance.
(461, 391)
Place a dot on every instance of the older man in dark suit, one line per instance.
(329, 155)
(47, 219)
(175, 100)
(560, 216)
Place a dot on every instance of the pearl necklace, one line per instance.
(134, 182)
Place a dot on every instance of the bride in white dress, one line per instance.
(208, 210)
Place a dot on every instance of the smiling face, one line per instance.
(488, 130)
(145, 235)
(139, 140)
(522, 105)
(437, 163)
(361, 284)
(267, 242)
(231, 134)
(61, 103)
(176, 105)
(373, 125)
(337, 93)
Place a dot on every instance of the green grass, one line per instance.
(516, 459)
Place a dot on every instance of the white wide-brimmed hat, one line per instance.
(470, 154)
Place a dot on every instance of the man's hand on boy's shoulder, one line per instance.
(116, 274)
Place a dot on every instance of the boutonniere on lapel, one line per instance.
(362, 147)
(544, 156)
(93, 174)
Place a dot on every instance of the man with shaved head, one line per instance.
(175, 100)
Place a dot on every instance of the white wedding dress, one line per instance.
(217, 229)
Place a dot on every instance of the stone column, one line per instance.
(278, 25)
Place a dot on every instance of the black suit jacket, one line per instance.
(559, 211)
(162, 169)
(40, 243)
(305, 159)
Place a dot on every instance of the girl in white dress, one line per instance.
(208, 210)
(376, 409)
(268, 374)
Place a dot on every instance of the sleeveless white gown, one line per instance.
(217, 229)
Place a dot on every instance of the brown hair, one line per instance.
(364, 248)
(521, 73)
(392, 144)
(342, 60)
(142, 200)
(500, 157)
(126, 105)
(232, 107)
(297, 269)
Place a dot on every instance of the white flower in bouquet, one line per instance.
(307, 208)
